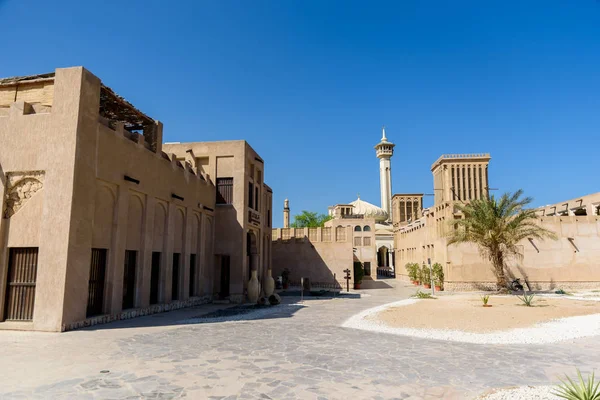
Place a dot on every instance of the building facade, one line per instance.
(421, 234)
(99, 221)
(322, 254)
(243, 210)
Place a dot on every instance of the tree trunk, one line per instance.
(498, 262)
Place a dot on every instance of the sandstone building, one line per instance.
(358, 233)
(572, 261)
(98, 221)
(243, 210)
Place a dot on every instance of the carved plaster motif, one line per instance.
(20, 187)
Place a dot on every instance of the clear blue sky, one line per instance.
(310, 83)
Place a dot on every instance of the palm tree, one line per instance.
(496, 226)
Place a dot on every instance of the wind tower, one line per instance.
(385, 151)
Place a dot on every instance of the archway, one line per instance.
(383, 257)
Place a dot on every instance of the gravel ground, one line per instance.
(523, 393)
(549, 332)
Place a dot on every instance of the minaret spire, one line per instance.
(286, 213)
(385, 151)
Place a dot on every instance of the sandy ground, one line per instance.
(466, 313)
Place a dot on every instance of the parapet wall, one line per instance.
(319, 254)
(337, 234)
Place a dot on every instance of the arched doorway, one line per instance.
(383, 257)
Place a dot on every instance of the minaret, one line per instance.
(286, 213)
(385, 151)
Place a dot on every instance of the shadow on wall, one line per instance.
(323, 263)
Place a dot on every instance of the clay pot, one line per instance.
(487, 305)
(357, 286)
(415, 282)
(269, 286)
(426, 286)
(253, 288)
(286, 285)
(438, 288)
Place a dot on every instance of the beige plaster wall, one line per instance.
(42, 142)
(85, 202)
(318, 253)
(232, 159)
(564, 262)
(318, 261)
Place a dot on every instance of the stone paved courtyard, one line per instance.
(298, 352)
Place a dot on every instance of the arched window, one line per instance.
(367, 228)
(357, 228)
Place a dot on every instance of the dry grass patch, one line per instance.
(466, 313)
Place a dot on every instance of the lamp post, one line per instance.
(431, 277)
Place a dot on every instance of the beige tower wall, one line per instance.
(84, 202)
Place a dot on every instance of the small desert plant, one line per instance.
(438, 274)
(423, 295)
(581, 390)
(527, 299)
(425, 275)
(413, 274)
(485, 299)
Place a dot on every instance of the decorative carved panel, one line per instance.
(20, 187)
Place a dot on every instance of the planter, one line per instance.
(286, 285)
(438, 288)
(426, 286)
(356, 285)
(269, 286)
(416, 283)
(253, 288)
(487, 305)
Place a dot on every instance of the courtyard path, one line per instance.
(295, 353)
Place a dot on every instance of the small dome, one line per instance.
(369, 210)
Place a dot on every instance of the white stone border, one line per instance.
(548, 332)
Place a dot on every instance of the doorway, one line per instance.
(20, 286)
(96, 283)
(225, 276)
(129, 279)
(192, 275)
(175, 278)
(154, 277)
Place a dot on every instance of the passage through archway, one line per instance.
(384, 262)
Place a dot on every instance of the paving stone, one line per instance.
(301, 353)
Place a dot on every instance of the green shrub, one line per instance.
(438, 274)
(527, 299)
(581, 390)
(425, 275)
(412, 271)
(359, 272)
(423, 295)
